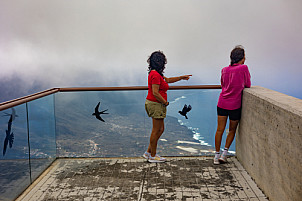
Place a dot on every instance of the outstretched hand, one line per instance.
(185, 77)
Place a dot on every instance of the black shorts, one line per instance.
(233, 114)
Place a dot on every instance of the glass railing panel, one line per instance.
(126, 129)
(42, 138)
(80, 134)
(14, 162)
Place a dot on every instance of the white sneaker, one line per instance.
(156, 159)
(223, 157)
(216, 159)
(146, 155)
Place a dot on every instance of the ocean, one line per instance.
(202, 119)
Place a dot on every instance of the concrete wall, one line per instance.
(269, 142)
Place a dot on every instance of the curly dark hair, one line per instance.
(237, 54)
(157, 61)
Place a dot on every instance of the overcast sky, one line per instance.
(107, 42)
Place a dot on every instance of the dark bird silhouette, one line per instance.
(9, 139)
(97, 114)
(13, 114)
(185, 110)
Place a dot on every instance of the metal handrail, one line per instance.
(19, 101)
(136, 88)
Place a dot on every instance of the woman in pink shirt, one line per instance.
(234, 78)
(156, 101)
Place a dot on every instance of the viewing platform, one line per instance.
(181, 178)
(55, 149)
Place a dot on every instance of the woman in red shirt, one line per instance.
(156, 101)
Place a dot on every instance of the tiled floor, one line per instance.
(181, 178)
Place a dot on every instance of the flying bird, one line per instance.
(13, 114)
(97, 114)
(9, 139)
(185, 110)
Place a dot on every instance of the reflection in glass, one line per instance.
(14, 163)
(41, 119)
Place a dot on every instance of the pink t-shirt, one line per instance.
(155, 78)
(233, 80)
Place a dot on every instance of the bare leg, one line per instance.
(157, 130)
(221, 121)
(232, 131)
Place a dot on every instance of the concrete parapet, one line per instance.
(269, 142)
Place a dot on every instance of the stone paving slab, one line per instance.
(181, 178)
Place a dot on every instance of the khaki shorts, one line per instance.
(155, 110)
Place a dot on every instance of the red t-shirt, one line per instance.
(155, 78)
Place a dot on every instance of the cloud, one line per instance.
(107, 43)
